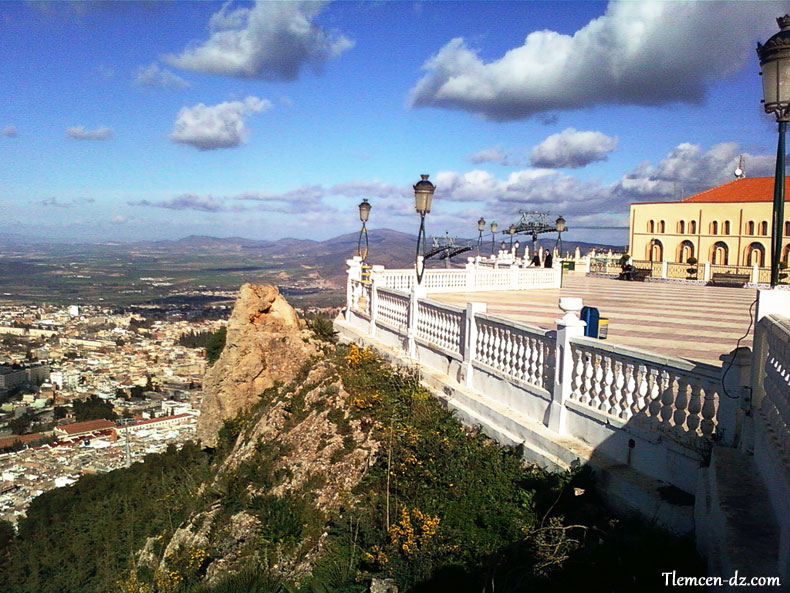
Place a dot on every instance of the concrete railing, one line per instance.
(675, 396)
(478, 275)
(677, 271)
(611, 397)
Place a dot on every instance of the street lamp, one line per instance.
(560, 226)
(364, 214)
(775, 69)
(512, 231)
(516, 245)
(423, 195)
(494, 227)
(481, 226)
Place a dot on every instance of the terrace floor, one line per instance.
(698, 323)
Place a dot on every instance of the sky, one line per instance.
(127, 121)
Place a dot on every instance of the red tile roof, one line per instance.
(749, 189)
(87, 426)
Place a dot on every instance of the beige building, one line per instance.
(726, 225)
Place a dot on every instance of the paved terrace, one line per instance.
(694, 322)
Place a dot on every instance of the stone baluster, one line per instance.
(354, 273)
(578, 376)
(653, 407)
(693, 417)
(667, 398)
(708, 422)
(599, 387)
(681, 404)
(637, 395)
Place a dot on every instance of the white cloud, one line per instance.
(9, 132)
(185, 202)
(496, 154)
(637, 53)
(687, 170)
(80, 133)
(296, 201)
(572, 149)
(216, 126)
(270, 41)
(367, 189)
(156, 77)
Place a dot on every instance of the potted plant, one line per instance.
(692, 269)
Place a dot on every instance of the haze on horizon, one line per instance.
(142, 121)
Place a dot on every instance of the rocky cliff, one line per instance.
(265, 344)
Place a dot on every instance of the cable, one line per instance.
(737, 345)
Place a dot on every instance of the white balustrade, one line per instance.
(360, 296)
(775, 405)
(680, 397)
(476, 277)
(393, 309)
(525, 354)
(440, 324)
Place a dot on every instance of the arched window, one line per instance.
(685, 251)
(662, 227)
(787, 228)
(764, 228)
(682, 227)
(655, 250)
(750, 227)
(755, 254)
(786, 254)
(726, 227)
(719, 253)
(651, 226)
(693, 227)
(714, 228)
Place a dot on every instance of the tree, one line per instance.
(93, 408)
(21, 424)
(215, 344)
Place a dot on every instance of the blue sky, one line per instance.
(153, 120)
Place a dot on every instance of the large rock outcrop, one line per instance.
(264, 344)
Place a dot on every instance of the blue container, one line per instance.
(591, 316)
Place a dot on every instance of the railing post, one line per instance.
(470, 340)
(664, 266)
(706, 272)
(755, 274)
(354, 273)
(417, 292)
(513, 277)
(470, 273)
(570, 326)
(735, 376)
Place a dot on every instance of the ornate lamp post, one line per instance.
(494, 227)
(560, 225)
(516, 245)
(364, 214)
(423, 195)
(511, 231)
(775, 70)
(481, 226)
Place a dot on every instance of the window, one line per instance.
(651, 226)
(662, 227)
(719, 253)
(682, 227)
(726, 227)
(787, 228)
(755, 254)
(685, 251)
(693, 227)
(714, 228)
(750, 227)
(764, 228)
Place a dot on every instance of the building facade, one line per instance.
(728, 225)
